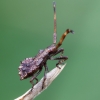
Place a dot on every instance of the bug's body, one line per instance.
(31, 67)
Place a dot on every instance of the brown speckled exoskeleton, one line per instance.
(31, 67)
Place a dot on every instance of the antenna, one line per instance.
(63, 37)
(54, 34)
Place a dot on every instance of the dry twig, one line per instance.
(37, 89)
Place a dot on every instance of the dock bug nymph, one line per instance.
(31, 67)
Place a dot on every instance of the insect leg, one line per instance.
(34, 77)
(55, 34)
(63, 37)
(61, 50)
(45, 72)
(60, 60)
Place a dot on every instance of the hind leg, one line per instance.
(34, 77)
(45, 72)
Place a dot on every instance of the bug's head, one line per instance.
(25, 68)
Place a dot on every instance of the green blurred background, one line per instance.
(27, 26)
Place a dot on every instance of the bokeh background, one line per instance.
(27, 26)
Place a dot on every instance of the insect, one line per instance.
(31, 67)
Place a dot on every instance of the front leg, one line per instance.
(61, 50)
(60, 60)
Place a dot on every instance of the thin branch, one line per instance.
(37, 89)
